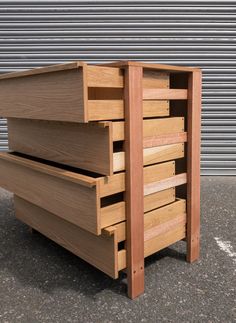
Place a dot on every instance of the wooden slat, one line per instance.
(165, 94)
(165, 240)
(113, 213)
(164, 184)
(116, 183)
(114, 109)
(151, 127)
(30, 97)
(165, 227)
(153, 66)
(156, 222)
(105, 109)
(120, 229)
(156, 244)
(155, 79)
(100, 251)
(121, 259)
(151, 155)
(158, 172)
(134, 180)
(156, 108)
(164, 214)
(99, 76)
(58, 142)
(73, 202)
(158, 199)
(111, 184)
(193, 166)
(162, 140)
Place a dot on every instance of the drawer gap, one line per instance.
(111, 199)
(118, 146)
(58, 165)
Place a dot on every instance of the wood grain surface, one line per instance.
(85, 146)
(99, 251)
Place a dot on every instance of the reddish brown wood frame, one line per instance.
(134, 179)
(134, 166)
(193, 165)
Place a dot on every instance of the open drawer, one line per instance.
(163, 227)
(96, 147)
(87, 200)
(75, 92)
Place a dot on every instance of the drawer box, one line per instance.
(81, 199)
(89, 146)
(74, 92)
(162, 227)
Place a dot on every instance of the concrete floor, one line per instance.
(42, 282)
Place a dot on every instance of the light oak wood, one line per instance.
(105, 109)
(99, 251)
(102, 251)
(154, 79)
(165, 227)
(98, 76)
(164, 184)
(121, 259)
(156, 244)
(85, 146)
(113, 213)
(151, 155)
(119, 228)
(30, 97)
(151, 127)
(114, 109)
(165, 94)
(164, 214)
(162, 140)
(76, 197)
(164, 240)
(159, 199)
(153, 66)
(116, 183)
(156, 108)
(156, 222)
(73, 202)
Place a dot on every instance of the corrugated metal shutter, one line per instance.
(196, 33)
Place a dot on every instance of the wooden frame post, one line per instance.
(134, 194)
(193, 166)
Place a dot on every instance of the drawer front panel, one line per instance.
(75, 203)
(48, 96)
(85, 146)
(99, 251)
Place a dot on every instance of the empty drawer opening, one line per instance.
(100, 93)
(112, 199)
